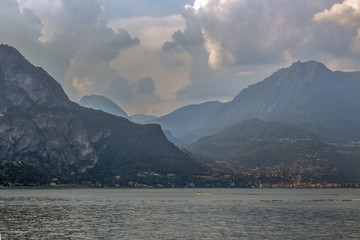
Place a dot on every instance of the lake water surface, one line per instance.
(179, 214)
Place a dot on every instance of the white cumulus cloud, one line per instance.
(345, 15)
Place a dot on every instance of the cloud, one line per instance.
(213, 67)
(189, 38)
(18, 27)
(344, 21)
(228, 39)
(346, 13)
(126, 9)
(245, 73)
(210, 50)
(205, 82)
(253, 32)
(72, 41)
(79, 44)
(168, 72)
(153, 31)
(92, 62)
(145, 86)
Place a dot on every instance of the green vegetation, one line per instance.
(255, 143)
(269, 146)
(21, 173)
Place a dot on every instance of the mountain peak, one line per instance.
(26, 84)
(10, 57)
(308, 65)
(102, 103)
(305, 94)
(307, 71)
(8, 50)
(95, 97)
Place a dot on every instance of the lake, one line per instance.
(179, 214)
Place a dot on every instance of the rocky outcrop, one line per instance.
(36, 123)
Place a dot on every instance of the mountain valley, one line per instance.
(301, 124)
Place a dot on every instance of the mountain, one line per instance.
(306, 94)
(255, 143)
(40, 126)
(142, 118)
(173, 139)
(258, 144)
(102, 103)
(108, 106)
(182, 121)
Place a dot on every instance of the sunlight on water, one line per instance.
(179, 214)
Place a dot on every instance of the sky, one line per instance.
(153, 56)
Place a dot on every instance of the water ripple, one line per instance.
(179, 214)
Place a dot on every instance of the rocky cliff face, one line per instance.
(36, 123)
(23, 85)
(40, 125)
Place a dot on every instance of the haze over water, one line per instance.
(179, 214)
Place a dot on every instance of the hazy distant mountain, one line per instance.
(173, 139)
(107, 105)
(182, 121)
(307, 95)
(142, 118)
(255, 143)
(102, 103)
(41, 127)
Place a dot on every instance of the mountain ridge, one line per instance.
(273, 145)
(98, 102)
(307, 95)
(41, 126)
(22, 73)
(249, 136)
(183, 120)
(142, 118)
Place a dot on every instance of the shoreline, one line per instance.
(356, 186)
